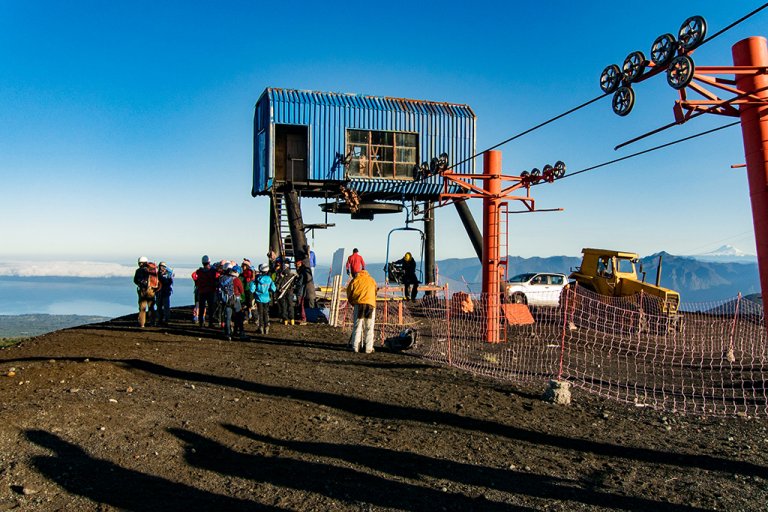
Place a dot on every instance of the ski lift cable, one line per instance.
(729, 27)
(400, 186)
(649, 150)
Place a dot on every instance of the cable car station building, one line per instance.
(364, 155)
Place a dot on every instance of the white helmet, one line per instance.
(263, 267)
(143, 259)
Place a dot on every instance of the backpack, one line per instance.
(225, 293)
(154, 280)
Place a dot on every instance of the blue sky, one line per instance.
(126, 127)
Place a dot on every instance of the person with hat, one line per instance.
(228, 291)
(286, 298)
(265, 287)
(165, 275)
(142, 279)
(207, 280)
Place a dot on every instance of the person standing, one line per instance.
(265, 287)
(228, 292)
(145, 291)
(355, 263)
(312, 261)
(284, 281)
(247, 276)
(361, 293)
(165, 275)
(207, 280)
(408, 264)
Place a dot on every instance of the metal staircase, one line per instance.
(283, 227)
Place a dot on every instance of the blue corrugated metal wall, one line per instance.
(441, 127)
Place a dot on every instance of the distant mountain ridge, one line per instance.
(696, 280)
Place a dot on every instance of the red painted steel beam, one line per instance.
(491, 242)
(753, 52)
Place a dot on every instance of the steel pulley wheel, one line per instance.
(525, 175)
(548, 174)
(610, 79)
(663, 49)
(680, 72)
(623, 101)
(535, 174)
(559, 169)
(634, 65)
(692, 32)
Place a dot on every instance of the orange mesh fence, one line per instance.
(698, 358)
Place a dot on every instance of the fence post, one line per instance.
(562, 337)
(448, 306)
(730, 355)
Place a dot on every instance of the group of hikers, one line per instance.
(228, 294)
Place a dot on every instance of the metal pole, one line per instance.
(753, 51)
(429, 248)
(491, 257)
(471, 227)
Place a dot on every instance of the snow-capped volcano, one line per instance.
(726, 253)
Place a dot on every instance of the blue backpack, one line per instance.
(225, 293)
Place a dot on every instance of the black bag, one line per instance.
(404, 341)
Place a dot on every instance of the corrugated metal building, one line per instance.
(318, 141)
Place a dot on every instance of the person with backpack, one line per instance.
(265, 287)
(147, 284)
(165, 276)
(207, 280)
(228, 293)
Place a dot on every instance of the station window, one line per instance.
(378, 154)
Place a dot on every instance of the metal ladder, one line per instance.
(283, 228)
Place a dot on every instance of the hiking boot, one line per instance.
(266, 330)
(285, 322)
(293, 322)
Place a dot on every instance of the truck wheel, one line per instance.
(519, 298)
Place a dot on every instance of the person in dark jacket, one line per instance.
(163, 298)
(207, 281)
(410, 281)
(285, 296)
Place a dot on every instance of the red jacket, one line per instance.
(355, 263)
(207, 280)
(238, 286)
(248, 275)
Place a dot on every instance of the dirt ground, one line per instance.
(109, 417)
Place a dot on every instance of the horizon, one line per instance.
(183, 268)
